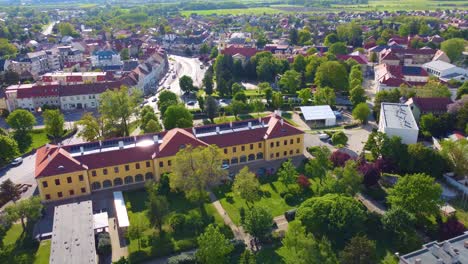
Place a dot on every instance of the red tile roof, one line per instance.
(432, 104)
(175, 139)
(359, 59)
(53, 160)
(39, 91)
(234, 49)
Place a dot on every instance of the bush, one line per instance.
(339, 138)
(183, 258)
(288, 198)
(177, 222)
(349, 126)
(451, 228)
(194, 221)
(303, 181)
(104, 244)
(185, 244)
(282, 194)
(370, 172)
(339, 158)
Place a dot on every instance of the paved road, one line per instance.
(48, 29)
(22, 174)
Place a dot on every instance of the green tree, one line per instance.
(339, 138)
(330, 39)
(425, 195)
(211, 108)
(456, 153)
(158, 208)
(213, 246)
(54, 121)
(357, 95)
(293, 36)
(214, 52)
(324, 96)
(392, 96)
(453, 48)
(166, 99)
(425, 160)
(257, 106)
(332, 74)
(398, 221)
(277, 100)
(240, 96)
(237, 107)
(137, 228)
(288, 174)
(305, 95)
(208, 82)
(290, 81)
(462, 90)
(377, 144)
(204, 49)
(299, 63)
(304, 37)
(361, 112)
(149, 121)
(333, 215)
(152, 126)
(186, 84)
(246, 186)
(124, 54)
(177, 116)
(201, 101)
(91, 128)
(359, 250)
(195, 169)
(22, 121)
(300, 247)
(247, 257)
(258, 221)
(118, 106)
(320, 164)
(9, 149)
(7, 50)
(268, 91)
(338, 48)
(28, 210)
(312, 66)
(9, 191)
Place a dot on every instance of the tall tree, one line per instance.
(208, 82)
(425, 195)
(54, 121)
(119, 106)
(177, 116)
(332, 74)
(320, 164)
(186, 84)
(453, 48)
(290, 81)
(338, 48)
(149, 121)
(204, 49)
(92, 128)
(357, 95)
(288, 174)
(195, 169)
(456, 153)
(9, 149)
(246, 186)
(300, 247)
(361, 112)
(305, 95)
(324, 96)
(258, 221)
(277, 100)
(28, 210)
(359, 250)
(166, 99)
(9, 191)
(211, 108)
(158, 208)
(22, 121)
(213, 246)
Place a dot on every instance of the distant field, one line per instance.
(237, 11)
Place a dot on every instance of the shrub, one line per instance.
(303, 181)
(282, 194)
(288, 198)
(194, 221)
(451, 228)
(185, 244)
(104, 244)
(339, 158)
(177, 222)
(339, 138)
(183, 258)
(370, 172)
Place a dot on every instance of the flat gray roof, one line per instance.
(398, 116)
(317, 112)
(73, 234)
(433, 251)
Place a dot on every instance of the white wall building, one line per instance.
(446, 71)
(398, 120)
(318, 115)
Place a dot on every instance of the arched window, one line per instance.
(243, 158)
(118, 181)
(260, 155)
(96, 185)
(138, 178)
(234, 161)
(226, 161)
(128, 179)
(251, 157)
(148, 176)
(106, 184)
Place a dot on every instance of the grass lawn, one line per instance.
(288, 117)
(39, 138)
(271, 199)
(462, 210)
(20, 247)
(152, 241)
(225, 119)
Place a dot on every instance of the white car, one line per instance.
(17, 161)
(225, 166)
(324, 136)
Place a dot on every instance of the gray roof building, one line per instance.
(73, 234)
(452, 251)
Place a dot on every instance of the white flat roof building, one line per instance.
(398, 120)
(318, 115)
(121, 210)
(446, 71)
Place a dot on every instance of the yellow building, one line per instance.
(69, 171)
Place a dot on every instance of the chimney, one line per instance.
(59, 145)
(82, 150)
(194, 131)
(121, 144)
(250, 125)
(218, 130)
(155, 139)
(418, 261)
(282, 121)
(47, 146)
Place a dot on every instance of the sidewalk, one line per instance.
(239, 232)
(119, 248)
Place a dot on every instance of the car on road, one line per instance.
(17, 161)
(168, 87)
(324, 136)
(154, 99)
(191, 103)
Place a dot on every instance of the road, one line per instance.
(48, 29)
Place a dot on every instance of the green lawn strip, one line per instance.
(43, 253)
(173, 242)
(19, 246)
(39, 138)
(288, 117)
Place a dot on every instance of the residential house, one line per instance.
(388, 77)
(425, 105)
(106, 60)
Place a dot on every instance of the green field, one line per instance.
(20, 247)
(237, 11)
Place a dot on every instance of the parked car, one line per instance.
(324, 136)
(191, 103)
(154, 99)
(225, 166)
(17, 161)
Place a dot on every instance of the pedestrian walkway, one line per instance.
(239, 232)
(119, 247)
(370, 204)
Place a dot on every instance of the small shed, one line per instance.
(318, 115)
(448, 210)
